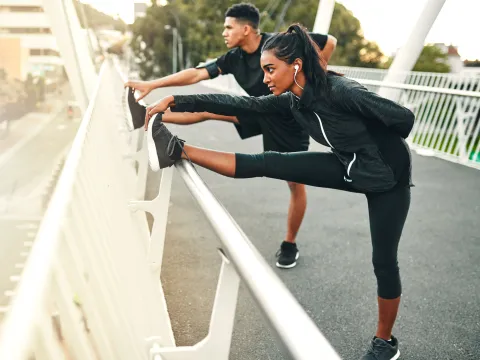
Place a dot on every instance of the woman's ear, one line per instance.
(298, 64)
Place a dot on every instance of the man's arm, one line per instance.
(184, 77)
(329, 48)
(181, 78)
(326, 43)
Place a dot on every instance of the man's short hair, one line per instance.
(245, 12)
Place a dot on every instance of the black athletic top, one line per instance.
(365, 131)
(246, 67)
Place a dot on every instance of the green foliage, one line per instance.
(472, 63)
(201, 25)
(431, 59)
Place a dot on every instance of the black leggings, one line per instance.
(387, 210)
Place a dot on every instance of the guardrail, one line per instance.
(447, 121)
(461, 81)
(87, 290)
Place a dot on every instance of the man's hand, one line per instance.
(158, 107)
(143, 87)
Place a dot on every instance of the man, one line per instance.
(243, 62)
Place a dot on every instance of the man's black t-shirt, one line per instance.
(246, 67)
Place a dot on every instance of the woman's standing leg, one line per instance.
(388, 212)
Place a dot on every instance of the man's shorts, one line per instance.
(280, 133)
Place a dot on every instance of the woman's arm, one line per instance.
(224, 104)
(221, 104)
(370, 105)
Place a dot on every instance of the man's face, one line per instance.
(234, 32)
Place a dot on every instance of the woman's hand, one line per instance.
(143, 87)
(157, 107)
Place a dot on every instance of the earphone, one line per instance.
(295, 76)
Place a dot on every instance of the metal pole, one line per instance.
(73, 48)
(281, 17)
(174, 60)
(408, 54)
(180, 52)
(324, 16)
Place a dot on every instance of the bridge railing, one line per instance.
(460, 81)
(87, 290)
(447, 121)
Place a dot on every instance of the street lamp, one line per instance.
(177, 45)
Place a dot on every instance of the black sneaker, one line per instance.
(287, 255)
(163, 147)
(380, 349)
(137, 111)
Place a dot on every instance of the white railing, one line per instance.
(87, 290)
(91, 286)
(446, 107)
(447, 121)
(461, 81)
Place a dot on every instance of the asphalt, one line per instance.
(439, 257)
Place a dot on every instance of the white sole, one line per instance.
(289, 266)
(152, 150)
(397, 355)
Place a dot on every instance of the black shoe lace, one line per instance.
(174, 140)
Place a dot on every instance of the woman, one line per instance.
(364, 131)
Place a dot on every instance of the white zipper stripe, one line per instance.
(351, 163)
(323, 131)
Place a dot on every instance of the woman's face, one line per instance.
(278, 75)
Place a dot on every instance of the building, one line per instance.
(25, 35)
(139, 9)
(14, 59)
(454, 59)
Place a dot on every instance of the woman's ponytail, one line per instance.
(296, 43)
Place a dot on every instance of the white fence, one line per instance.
(91, 286)
(462, 81)
(87, 290)
(446, 108)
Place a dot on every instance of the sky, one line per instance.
(387, 22)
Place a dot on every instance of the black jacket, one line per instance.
(364, 130)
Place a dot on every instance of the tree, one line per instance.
(472, 63)
(151, 44)
(431, 59)
(202, 39)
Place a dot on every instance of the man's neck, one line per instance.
(252, 43)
